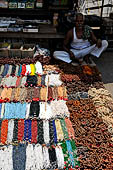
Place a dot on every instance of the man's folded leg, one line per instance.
(98, 51)
(62, 55)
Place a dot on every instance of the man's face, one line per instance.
(79, 22)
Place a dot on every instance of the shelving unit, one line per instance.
(45, 13)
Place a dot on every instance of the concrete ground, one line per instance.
(105, 66)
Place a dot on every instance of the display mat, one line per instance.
(64, 121)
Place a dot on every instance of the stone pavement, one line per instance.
(105, 66)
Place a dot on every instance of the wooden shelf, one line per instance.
(31, 35)
(45, 31)
(58, 8)
(26, 13)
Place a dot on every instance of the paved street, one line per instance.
(105, 66)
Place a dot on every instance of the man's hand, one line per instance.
(72, 56)
(99, 43)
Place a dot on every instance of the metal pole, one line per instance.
(102, 8)
(101, 20)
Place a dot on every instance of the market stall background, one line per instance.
(52, 115)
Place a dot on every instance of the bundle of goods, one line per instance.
(18, 53)
(42, 55)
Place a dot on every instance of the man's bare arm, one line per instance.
(96, 41)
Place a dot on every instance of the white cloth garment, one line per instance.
(78, 44)
(80, 48)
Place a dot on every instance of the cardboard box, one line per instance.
(3, 3)
(30, 4)
(30, 28)
(3, 27)
(15, 50)
(21, 5)
(4, 49)
(13, 4)
(28, 50)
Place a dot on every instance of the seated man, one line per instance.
(79, 43)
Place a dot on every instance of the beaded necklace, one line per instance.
(38, 68)
(43, 80)
(10, 131)
(38, 156)
(23, 94)
(77, 163)
(0, 92)
(23, 70)
(66, 154)
(40, 132)
(55, 132)
(52, 157)
(60, 136)
(0, 109)
(51, 131)
(36, 94)
(27, 110)
(9, 92)
(1, 70)
(60, 157)
(69, 148)
(28, 69)
(18, 82)
(13, 81)
(70, 129)
(29, 94)
(20, 129)
(46, 162)
(15, 131)
(32, 69)
(0, 129)
(65, 93)
(19, 157)
(17, 68)
(27, 130)
(9, 71)
(4, 130)
(17, 94)
(34, 131)
(30, 157)
(39, 80)
(34, 109)
(65, 131)
(23, 81)
(0, 80)
(13, 70)
(4, 93)
(55, 92)
(6, 67)
(20, 70)
(46, 131)
(43, 92)
(50, 93)
(60, 92)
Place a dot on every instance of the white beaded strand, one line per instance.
(30, 158)
(46, 131)
(38, 157)
(27, 110)
(46, 157)
(10, 131)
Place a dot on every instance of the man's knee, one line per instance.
(55, 54)
(104, 43)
